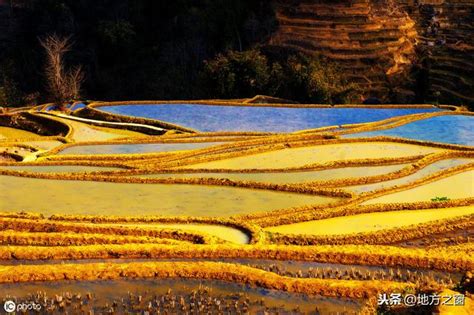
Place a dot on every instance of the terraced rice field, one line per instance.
(237, 296)
(251, 118)
(86, 132)
(317, 154)
(44, 145)
(289, 177)
(61, 196)
(430, 169)
(370, 222)
(58, 168)
(13, 133)
(450, 186)
(136, 148)
(455, 129)
(295, 221)
(226, 233)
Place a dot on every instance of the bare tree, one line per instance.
(64, 85)
(74, 80)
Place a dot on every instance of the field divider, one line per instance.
(252, 230)
(308, 213)
(402, 120)
(200, 270)
(32, 226)
(301, 189)
(381, 237)
(367, 255)
(11, 237)
(183, 160)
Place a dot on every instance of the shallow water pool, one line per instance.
(50, 197)
(289, 177)
(370, 222)
(226, 233)
(453, 187)
(426, 171)
(59, 168)
(13, 133)
(296, 157)
(254, 118)
(455, 129)
(135, 148)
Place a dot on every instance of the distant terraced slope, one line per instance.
(450, 48)
(377, 42)
(372, 40)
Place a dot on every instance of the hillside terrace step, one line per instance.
(339, 53)
(454, 77)
(443, 89)
(339, 41)
(466, 93)
(368, 30)
(446, 83)
(315, 20)
(339, 57)
(460, 71)
(335, 10)
(328, 19)
(338, 28)
(340, 48)
(371, 35)
(454, 53)
(457, 63)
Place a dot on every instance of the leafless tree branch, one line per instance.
(63, 85)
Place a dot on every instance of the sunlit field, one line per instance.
(237, 157)
(306, 219)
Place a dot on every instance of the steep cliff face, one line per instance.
(373, 41)
(446, 40)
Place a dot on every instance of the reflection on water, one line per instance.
(136, 148)
(426, 171)
(370, 222)
(253, 118)
(295, 157)
(453, 187)
(103, 198)
(289, 177)
(455, 129)
(59, 168)
(224, 232)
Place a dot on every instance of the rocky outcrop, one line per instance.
(372, 40)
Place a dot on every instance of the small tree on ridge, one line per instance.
(63, 85)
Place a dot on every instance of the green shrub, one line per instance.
(318, 80)
(301, 78)
(237, 74)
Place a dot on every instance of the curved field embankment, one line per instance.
(370, 255)
(310, 195)
(200, 270)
